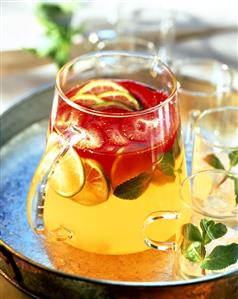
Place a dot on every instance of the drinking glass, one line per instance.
(216, 140)
(203, 84)
(149, 22)
(113, 155)
(206, 222)
(127, 44)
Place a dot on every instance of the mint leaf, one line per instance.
(193, 252)
(191, 232)
(134, 187)
(233, 157)
(176, 149)
(236, 189)
(221, 257)
(204, 224)
(213, 161)
(166, 163)
(55, 14)
(58, 32)
(212, 230)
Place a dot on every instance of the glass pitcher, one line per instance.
(113, 154)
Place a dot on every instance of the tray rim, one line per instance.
(16, 285)
(161, 284)
(155, 284)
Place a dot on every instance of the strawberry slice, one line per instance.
(115, 137)
(141, 128)
(66, 116)
(90, 138)
(158, 129)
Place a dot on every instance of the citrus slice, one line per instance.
(120, 96)
(98, 86)
(86, 99)
(68, 176)
(96, 188)
(112, 104)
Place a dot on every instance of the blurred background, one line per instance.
(32, 48)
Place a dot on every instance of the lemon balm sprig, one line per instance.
(215, 162)
(195, 241)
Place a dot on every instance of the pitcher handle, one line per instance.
(154, 217)
(36, 196)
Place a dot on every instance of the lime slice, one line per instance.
(98, 86)
(86, 99)
(68, 176)
(96, 188)
(123, 97)
(112, 104)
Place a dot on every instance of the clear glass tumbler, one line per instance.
(130, 43)
(216, 140)
(205, 227)
(203, 84)
(149, 22)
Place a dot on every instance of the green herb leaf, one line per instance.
(58, 31)
(221, 257)
(193, 252)
(55, 14)
(204, 224)
(134, 187)
(166, 163)
(211, 230)
(215, 231)
(213, 161)
(233, 156)
(191, 232)
(236, 189)
(176, 149)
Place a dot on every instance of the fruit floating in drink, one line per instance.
(116, 154)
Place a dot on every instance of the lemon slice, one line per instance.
(86, 99)
(112, 104)
(123, 97)
(68, 176)
(96, 188)
(99, 86)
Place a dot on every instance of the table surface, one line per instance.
(223, 47)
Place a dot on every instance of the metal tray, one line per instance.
(23, 258)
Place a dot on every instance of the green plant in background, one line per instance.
(56, 20)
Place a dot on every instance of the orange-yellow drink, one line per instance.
(127, 162)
